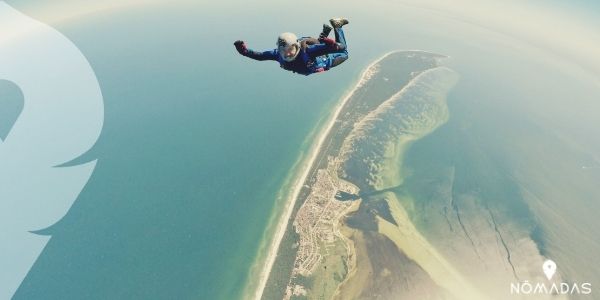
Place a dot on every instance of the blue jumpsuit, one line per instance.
(312, 58)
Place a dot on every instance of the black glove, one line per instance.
(240, 46)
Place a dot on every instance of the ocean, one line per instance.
(196, 144)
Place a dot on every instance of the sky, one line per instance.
(567, 31)
(567, 28)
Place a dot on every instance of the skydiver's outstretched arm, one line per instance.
(241, 48)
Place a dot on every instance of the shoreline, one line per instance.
(306, 167)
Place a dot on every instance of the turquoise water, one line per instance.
(196, 144)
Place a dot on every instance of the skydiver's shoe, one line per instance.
(326, 30)
(338, 22)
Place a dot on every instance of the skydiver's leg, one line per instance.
(339, 37)
(326, 30)
(335, 59)
(313, 41)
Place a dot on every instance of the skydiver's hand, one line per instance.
(240, 46)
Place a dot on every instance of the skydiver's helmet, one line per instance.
(288, 46)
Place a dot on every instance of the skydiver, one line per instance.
(306, 55)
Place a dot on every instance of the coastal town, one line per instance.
(317, 224)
